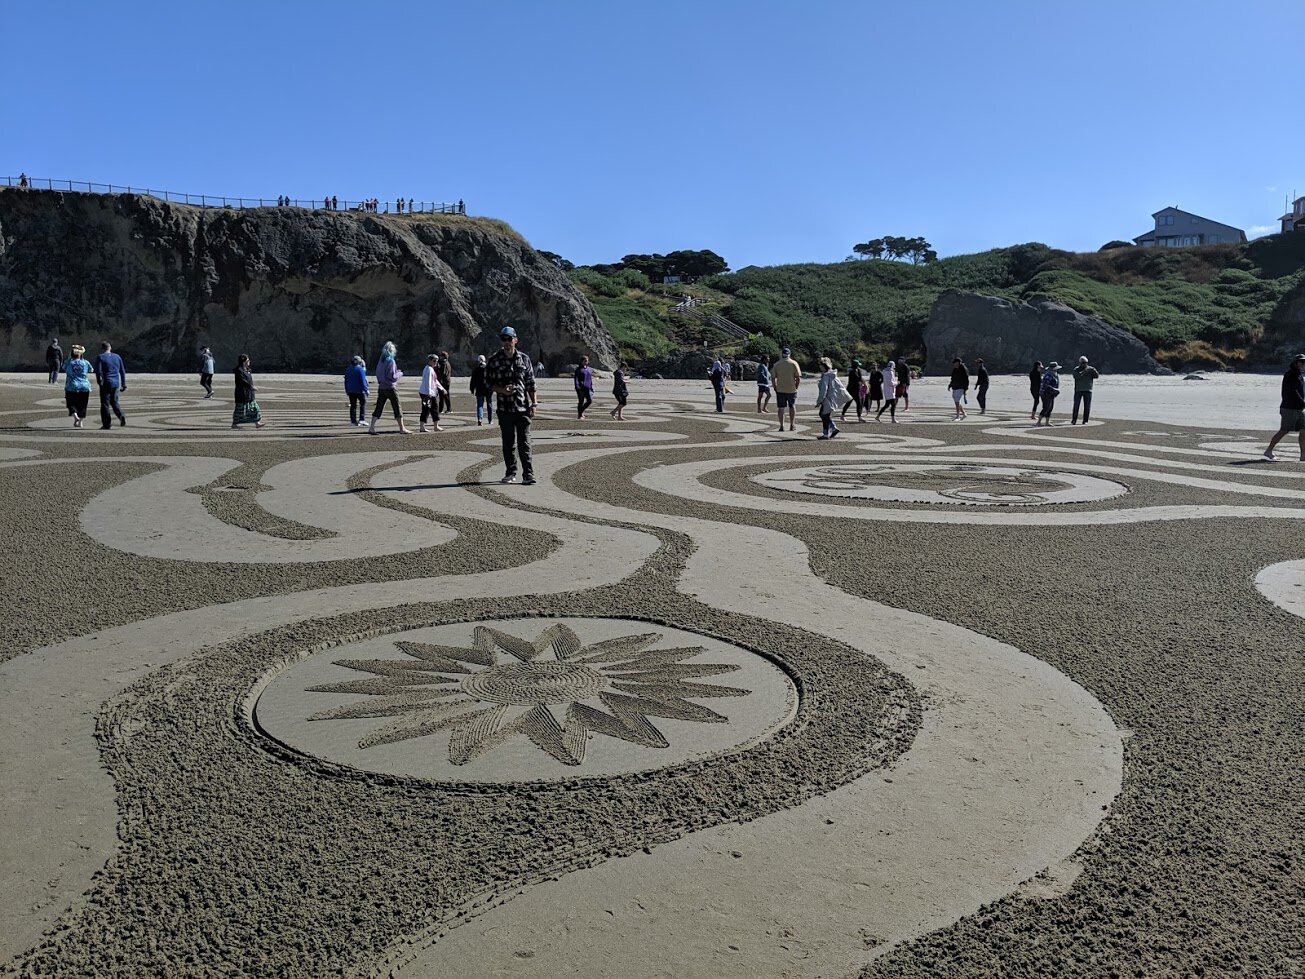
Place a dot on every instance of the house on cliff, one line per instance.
(1294, 220)
(1175, 229)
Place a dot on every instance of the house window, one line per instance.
(1169, 219)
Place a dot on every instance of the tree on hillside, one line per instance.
(686, 262)
(894, 247)
(556, 260)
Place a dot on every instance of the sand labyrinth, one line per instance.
(604, 705)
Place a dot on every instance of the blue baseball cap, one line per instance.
(507, 331)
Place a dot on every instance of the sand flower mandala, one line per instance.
(554, 691)
(945, 483)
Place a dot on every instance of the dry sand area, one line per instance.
(931, 699)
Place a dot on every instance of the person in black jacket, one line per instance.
(1035, 387)
(484, 394)
(958, 385)
(854, 381)
(981, 386)
(247, 409)
(1291, 410)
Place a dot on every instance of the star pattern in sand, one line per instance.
(484, 699)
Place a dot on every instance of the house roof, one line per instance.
(1178, 210)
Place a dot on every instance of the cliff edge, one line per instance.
(297, 290)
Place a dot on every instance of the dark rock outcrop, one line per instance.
(1284, 335)
(1011, 335)
(296, 289)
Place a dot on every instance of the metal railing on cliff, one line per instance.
(372, 205)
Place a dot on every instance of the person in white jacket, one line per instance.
(890, 394)
(430, 392)
(827, 400)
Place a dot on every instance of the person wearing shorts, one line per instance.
(959, 384)
(1291, 410)
(786, 375)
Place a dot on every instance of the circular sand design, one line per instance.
(1284, 585)
(944, 483)
(588, 436)
(525, 700)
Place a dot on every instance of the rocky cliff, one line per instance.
(1010, 336)
(297, 290)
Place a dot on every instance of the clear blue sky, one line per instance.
(769, 132)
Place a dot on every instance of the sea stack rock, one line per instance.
(296, 289)
(1011, 335)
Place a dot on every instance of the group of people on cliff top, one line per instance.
(371, 204)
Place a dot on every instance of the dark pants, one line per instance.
(77, 402)
(890, 406)
(1085, 399)
(430, 408)
(981, 396)
(584, 398)
(206, 382)
(856, 400)
(357, 408)
(109, 401)
(387, 394)
(1048, 402)
(442, 402)
(515, 430)
(54, 372)
(720, 398)
(1037, 397)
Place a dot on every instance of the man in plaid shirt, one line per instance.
(511, 376)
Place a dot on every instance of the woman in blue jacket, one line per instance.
(77, 384)
(355, 386)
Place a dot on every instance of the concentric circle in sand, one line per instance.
(525, 699)
(943, 483)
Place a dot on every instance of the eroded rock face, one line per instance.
(1011, 335)
(295, 289)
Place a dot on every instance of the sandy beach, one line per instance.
(933, 698)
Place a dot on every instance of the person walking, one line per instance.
(430, 390)
(1050, 388)
(890, 394)
(981, 386)
(111, 375)
(1035, 387)
(355, 386)
(855, 380)
(958, 385)
(53, 359)
(1291, 410)
(787, 377)
(716, 374)
(827, 399)
(874, 393)
(584, 388)
(484, 394)
(206, 372)
(513, 379)
(763, 385)
(246, 409)
(1084, 375)
(77, 384)
(620, 391)
(387, 383)
(903, 389)
(445, 374)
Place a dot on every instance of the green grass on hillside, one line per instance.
(1205, 305)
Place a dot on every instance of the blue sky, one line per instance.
(770, 132)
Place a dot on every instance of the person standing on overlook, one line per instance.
(1291, 409)
(1084, 375)
(206, 371)
(981, 383)
(787, 377)
(513, 379)
(111, 375)
(53, 359)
